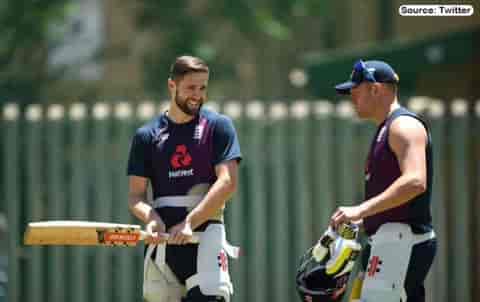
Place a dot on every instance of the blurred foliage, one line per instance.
(24, 28)
(196, 27)
(239, 39)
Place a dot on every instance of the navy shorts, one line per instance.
(182, 259)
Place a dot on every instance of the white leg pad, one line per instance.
(388, 263)
(212, 275)
(161, 285)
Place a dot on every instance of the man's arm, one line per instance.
(216, 197)
(140, 208)
(408, 140)
(220, 192)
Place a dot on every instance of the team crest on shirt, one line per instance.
(200, 129)
(198, 132)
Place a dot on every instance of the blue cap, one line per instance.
(370, 71)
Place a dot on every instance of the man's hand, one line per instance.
(156, 232)
(181, 233)
(346, 214)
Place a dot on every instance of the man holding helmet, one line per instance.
(398, 184)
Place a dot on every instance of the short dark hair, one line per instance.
(187, 64)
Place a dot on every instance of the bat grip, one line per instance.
(195, 237)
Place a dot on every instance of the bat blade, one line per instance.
(83, 233)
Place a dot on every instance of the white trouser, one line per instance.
(212, 277)
(388, 263)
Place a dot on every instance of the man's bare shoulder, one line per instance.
(406, 130)
(409, 126)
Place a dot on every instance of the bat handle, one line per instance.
(143, 235)
(195, 237)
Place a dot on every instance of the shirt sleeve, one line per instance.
(138, 160)
(225, 141)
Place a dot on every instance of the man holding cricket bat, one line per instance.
(189, 155)
(398, 184)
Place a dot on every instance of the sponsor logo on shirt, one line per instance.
(163, 137)
(181, 158)
(160, 136)
(180, 173)
(179, 161)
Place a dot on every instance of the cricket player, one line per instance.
(189, 155)
(398, 185)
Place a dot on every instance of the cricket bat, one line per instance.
(84, 233)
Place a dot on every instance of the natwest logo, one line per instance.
(181, 162)
(181, 158)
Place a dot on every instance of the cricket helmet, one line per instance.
(324, 270)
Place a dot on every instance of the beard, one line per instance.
(184, 106)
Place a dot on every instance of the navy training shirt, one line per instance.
(180, 158)
(382, 169)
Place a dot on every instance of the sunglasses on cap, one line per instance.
(362, 73)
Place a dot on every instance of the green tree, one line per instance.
(25, 30)
(223, 32)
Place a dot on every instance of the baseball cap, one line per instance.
(370, 71)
